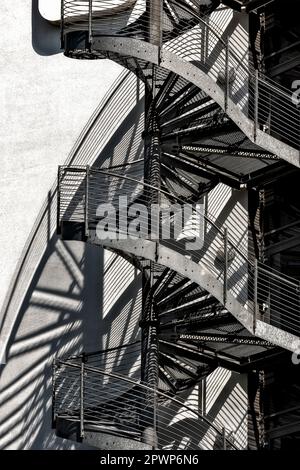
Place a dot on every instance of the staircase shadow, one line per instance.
(58, 315)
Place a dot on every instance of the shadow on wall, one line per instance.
(228, 410)
(64, 313)
(58, 300)
(95, 143)
(45, 36)
(58, 313)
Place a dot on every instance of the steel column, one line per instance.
(256, 96)
(155, 11)
(152, 154)
(90, 23)
(82, 397)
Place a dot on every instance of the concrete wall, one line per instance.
(45, 101)
(68, 308)
(222, 398)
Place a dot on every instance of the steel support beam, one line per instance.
(149, 321)
(199, 273)
(155, 9)
(226, 338)
(187, 70)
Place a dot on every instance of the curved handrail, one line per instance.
(212, 28)
(134, 387)
(119, 359)
(146, 187)
(149, 187)
(268, 295)
(103, 351)
(79, 12)
(103, 11)
(96, 13)
(267, 103)
(267, 106)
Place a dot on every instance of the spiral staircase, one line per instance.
(209, 119)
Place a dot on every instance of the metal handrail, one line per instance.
(105, 351)
(206, 215)
(150, 186)
(213, 242)
(267, 104)
(123, 379)
(272, 298)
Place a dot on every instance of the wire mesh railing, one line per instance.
(116, 404)
(124, 359)
(128, 18)
(177, 27)
(115, 206)
(277, 298)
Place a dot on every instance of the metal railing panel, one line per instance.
(269, 295)
(114, 403)
(187, 35)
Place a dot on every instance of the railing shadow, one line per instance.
(43, 316)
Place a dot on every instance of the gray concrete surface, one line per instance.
(68, 308)
(45, 100)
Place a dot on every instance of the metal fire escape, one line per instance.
(209, 119)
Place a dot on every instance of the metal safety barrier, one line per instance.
(270, 296)
(109, 402)
(176, 27)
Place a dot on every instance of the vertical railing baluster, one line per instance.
(82, 397)
(53, 393)
(62, 25)
(224, 438)
(58, 226)
(270, 113)
(255, 300)
(155, 443)
(86, 210)
(225, 280)
(202, 396)
(90, 23)
(227, 81)
(256, 99)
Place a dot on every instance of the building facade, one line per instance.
(150, 275)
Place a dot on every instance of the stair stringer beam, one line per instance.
(169, 61)
(201, 275)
